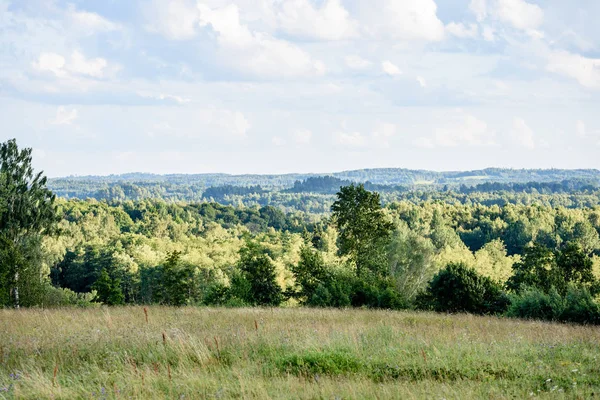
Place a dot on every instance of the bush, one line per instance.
(580, 307)
(60, 297)
(458, 288)
(577, 306)
(534, 303)
(336, 291)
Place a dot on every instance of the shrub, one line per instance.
(458, 288)
(577, 306)
(61, 297)
(580, 307)
(336, 291)
(534, 303)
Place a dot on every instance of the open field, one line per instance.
(290, 353)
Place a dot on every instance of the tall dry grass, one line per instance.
(160, 352)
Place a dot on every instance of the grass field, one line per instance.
(290, 353)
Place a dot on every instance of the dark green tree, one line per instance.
(259, 271)
(176, 281)
(537, 268)
(544, 269)
(364, 230)
(458, 288)
(108, 290)
(27, 211)
(310, 272)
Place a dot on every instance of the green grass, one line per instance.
(295, 353)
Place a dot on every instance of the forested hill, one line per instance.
(276, 189)
(385, 176)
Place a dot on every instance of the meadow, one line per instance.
(290, 353)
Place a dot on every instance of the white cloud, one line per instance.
(522, 134)
(585, 70)
(92, 67)
(404, 20)
(461, 31)
(168, 97)
(581, 129)
(90, 22)
(422, 81)
(519, 13)
(461, 129)
(51, 62)
(350, 139)
(256, 53)
(64, 116)
(489, 33)
(391, 69)
(77, 64)
(357, 62)
(382, 134)
(303, 136)
(223, 123)
(329, 22)
(479, 8)
(175, 19)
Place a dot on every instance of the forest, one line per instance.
(528, 250)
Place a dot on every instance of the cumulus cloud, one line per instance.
(461, 130)
(519, 13)
(585, 70)
(301, 18)
(383, 133)
(256, 53)
(64, 116)
(462, 31)
(90, 22)
(84, 66)
(479, 8)
(357, 62)
(404, 20)
(77, 64)
(165, 97)
(379, 137)
(350, 139)
(522, 134)
(51, 62)
(390, 68)
(175, 19)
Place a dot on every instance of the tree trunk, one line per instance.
(16, 291)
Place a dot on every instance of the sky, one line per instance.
(276, 86)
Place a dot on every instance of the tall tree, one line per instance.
(27, 209)
(260, 273)
(364, 229)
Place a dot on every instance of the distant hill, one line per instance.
(386, 176)
(195, 187)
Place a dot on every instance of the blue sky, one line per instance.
(273, 86)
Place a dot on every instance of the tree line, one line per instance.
(523, 260)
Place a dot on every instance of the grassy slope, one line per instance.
(294, 353)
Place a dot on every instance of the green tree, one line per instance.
(108, 290)
(544, 269)
(176, 281)
(458, 288)
(259, 271)
(364, 230)
(310, 272)
(537, 268)
(27, 211)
